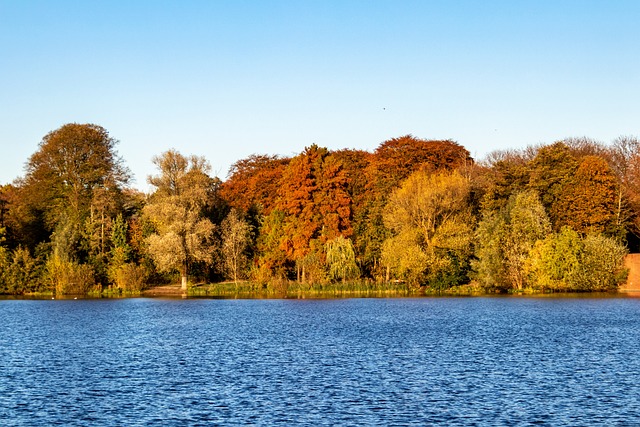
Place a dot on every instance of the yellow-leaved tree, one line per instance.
(182, 233)
(431, 221)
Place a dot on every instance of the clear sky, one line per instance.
(226, 79)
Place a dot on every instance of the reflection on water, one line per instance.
(468, 361)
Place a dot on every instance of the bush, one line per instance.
(24, 272)
(603, 263)
(554, 263)
(68, 277)
(20, 273)
(129, 277)
(566, 262)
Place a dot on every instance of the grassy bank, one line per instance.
(255, 290)
(320, 290)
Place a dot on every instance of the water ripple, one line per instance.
(459, 361)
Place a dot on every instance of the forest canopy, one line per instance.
(416, 212)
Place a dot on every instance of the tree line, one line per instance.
(419, 213)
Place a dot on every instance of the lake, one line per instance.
(455, 361)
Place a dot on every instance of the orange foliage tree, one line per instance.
(588, 203)
(390, 164)
(313, 196)
(397, 158)
(253, 182)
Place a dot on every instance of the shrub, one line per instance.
(602, 263)
(566, 262)
(69, 277)
(129, 277)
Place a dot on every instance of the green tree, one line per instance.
(120, 249)
(71, 167)
(272, 259)
(341, 259)
(24, 273)
(567, 262)
(125, 274)
(507, 172)
(555, 262)
(504, 240)
(602, 263)
(489, 266)
(182, 234)
(550, 173)
(528, 223)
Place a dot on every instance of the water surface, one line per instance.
(461, 361)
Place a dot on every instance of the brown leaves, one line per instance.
(588, 203)
(254, 182)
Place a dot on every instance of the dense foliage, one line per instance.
(415, 212)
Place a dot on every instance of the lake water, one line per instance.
(455, 361)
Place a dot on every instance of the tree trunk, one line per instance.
(619, 213)
(183, 273)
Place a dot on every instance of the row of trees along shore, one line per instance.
(419, 214)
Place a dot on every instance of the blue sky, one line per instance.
(226, 79)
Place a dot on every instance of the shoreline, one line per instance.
(229, 291)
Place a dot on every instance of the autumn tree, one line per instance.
(588, 202)
(23, 223)
(74, 166)
(395, 159)
(390, 164)
(313, 196)
(432, 226)
(355, 164)
(624, 155)
(236, 236)
(253, 182)
(182, 235)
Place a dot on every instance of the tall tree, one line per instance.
(182, 233)
(313, 195)
(624, 155)
(550, 172)
(72, 164)
(505, 238)
(431, 220)
(390, 164)
(253, 182)
(236, 236)
(588, 203)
